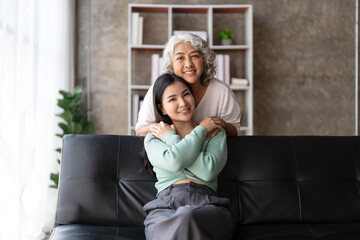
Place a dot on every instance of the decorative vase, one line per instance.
(226, 41)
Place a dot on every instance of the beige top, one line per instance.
(219, 100)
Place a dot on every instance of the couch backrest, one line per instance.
(101, 182)
(268, 180)
(306, 179)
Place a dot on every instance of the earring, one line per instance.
(164, 114)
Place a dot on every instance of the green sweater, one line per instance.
(193, 157)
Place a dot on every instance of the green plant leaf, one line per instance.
(78, 90)
(77, 102)
(82, 119)
(89, 128)
(70, 127)
(75, 120)
(59, 135)
(67, 116)
(64, 103)
(65, 94)
(77, 128)
(83, 112)
(225, 34)
(64, 127)
(55, 178)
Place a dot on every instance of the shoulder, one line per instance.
(219, 87)
(220, 90)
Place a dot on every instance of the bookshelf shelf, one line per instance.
(147, 47)
(189, 9)
(140, 87)
(245, 129)
(153, 9)
(159, 23)
(232, 47)
(242, 88)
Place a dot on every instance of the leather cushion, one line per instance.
(88, 232)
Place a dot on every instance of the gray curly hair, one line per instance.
(198, 43)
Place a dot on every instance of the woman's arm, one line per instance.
(230, 129)
(228, 108)
(146, 116)
(142, 130)
(231, 115)
(176, 157)
(211, 161)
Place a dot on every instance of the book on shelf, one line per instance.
(202, 34)
(137, 103)
(155, 67)
(137, 28)
(239, 82)
(227, 68)
(222, 62)
(140, 30)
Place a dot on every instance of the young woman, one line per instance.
(190, 57)
(186, 166)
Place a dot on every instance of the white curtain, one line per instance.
(36, 60)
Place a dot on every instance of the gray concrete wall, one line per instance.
(304, 64)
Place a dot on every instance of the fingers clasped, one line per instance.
(212, 123)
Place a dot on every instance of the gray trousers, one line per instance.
(188, 211)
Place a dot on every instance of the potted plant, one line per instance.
(226, 37)
(74, 120)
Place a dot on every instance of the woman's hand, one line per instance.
(213, 125)
(159, 129)
(224, 125)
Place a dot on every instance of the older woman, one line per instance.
(190, 57)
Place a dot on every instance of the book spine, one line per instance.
(227, 68)
(155, 67)
(135, 108)
(135, 28)
(140, 30)
(220, 66)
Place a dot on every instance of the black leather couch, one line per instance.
(280, 187)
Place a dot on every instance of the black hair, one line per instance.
(161, 83)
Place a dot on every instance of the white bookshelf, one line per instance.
(209, 18)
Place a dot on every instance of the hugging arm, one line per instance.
(211, 161)
(146, 116)
(174, 158)
(230, 112)
(230, 129)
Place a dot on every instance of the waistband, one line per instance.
(190, 187)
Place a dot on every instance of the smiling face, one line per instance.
(178, 102)
(187, 62)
